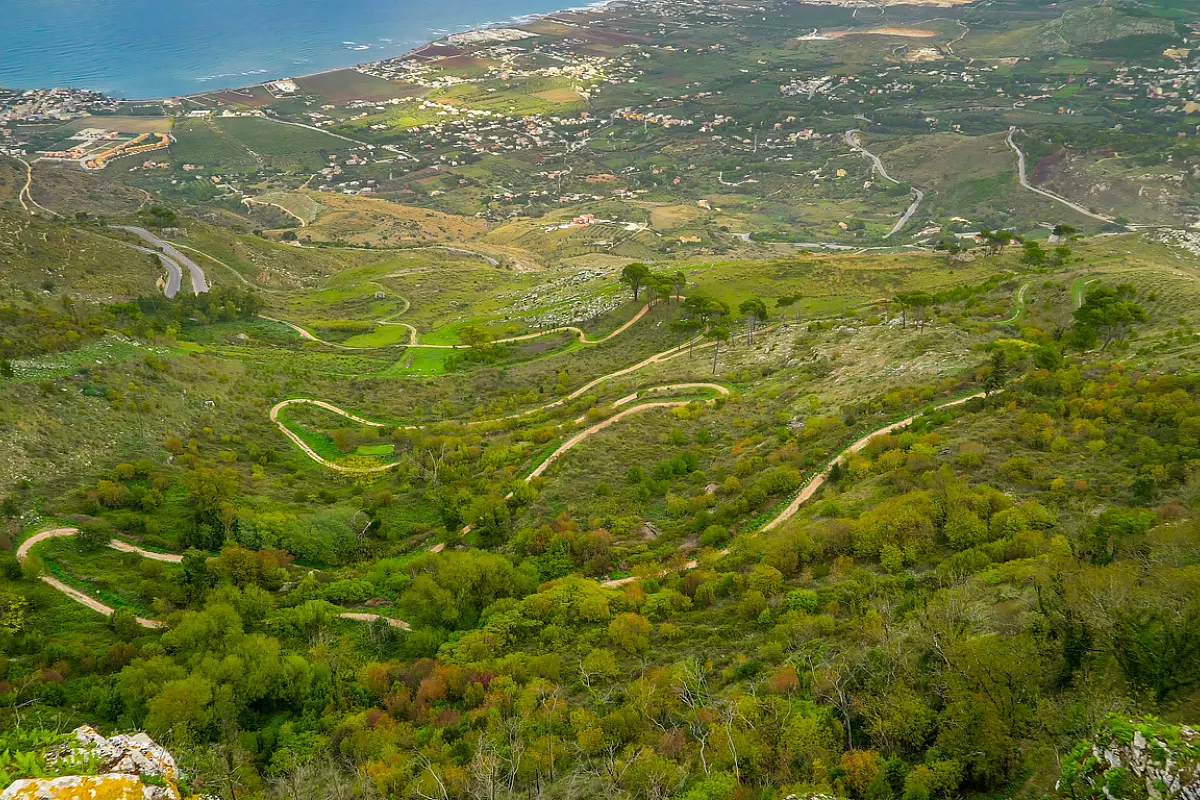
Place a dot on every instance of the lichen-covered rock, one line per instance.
(131, 754)
(109, 786)
(1134, 759)
(122, 767)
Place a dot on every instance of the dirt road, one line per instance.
(170, 558)
(599, 426)
(525, 337)
(819, 480)
(657, 358)
(75, 594)
(812, 486)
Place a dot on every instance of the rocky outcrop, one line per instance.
(1133, 759)
(122, 767)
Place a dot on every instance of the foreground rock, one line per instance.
(1135, 759)
(125, 767)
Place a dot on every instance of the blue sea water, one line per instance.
(141, 49)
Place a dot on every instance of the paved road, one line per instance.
(852, 140)
(1025, 183)
(174, 271)
(199, 284)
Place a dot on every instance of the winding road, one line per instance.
(599, 426)
(1021, 176)
(255, 201)
(75, 594)
(852, 140)
(26, 193)
(174, 271)
(686, 348)
(804, 495)
(199, 284)
(809, 489)
(170, 558)
(412, 341)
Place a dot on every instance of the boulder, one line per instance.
(126, 766)
(1134, 758)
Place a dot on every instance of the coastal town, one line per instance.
(562, 96)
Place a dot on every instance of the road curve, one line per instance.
(852, 140)
(1021, 176)
(686, 348)
(819, 479)
(75, 594)
(25, 189)
(599, 426)
(412, 342)
(315, 456)
(1018, 304)
(170, 558)
(174, 271)
(199, 283)
(26, 192)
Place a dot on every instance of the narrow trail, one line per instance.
(170, 558)
(819, 479)
(254, 201)
(75, 594)
(241, 278)
(26, 192)
(450, 248)
(809, 489)
(390, 148)
(686, 348)
(413, 339)
(1018, 304)
(961, 36)
(918, 195)
(1021, 176)
(569, 444)
(599, 426)
(25, 189)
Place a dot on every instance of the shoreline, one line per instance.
(513, 22)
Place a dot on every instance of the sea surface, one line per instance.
(141, 49)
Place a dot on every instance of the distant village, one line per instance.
(438, 131)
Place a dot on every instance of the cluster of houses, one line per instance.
(39, 106)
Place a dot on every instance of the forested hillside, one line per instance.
(655, 401)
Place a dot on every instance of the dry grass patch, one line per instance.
(665, 217)
(372, 222)
(559, 95)
(912, 33)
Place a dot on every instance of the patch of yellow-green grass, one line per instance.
(419, 361)
(382, 336)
